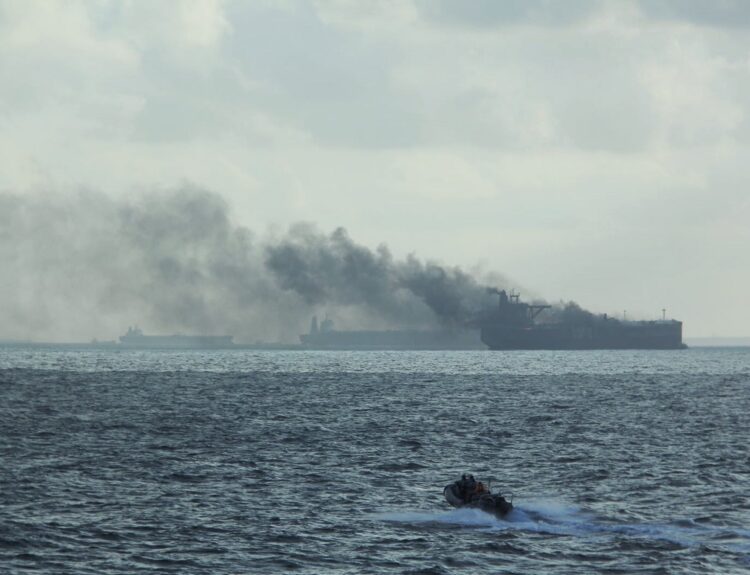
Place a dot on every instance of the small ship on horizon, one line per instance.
(134, 338)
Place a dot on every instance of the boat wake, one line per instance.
(555, 518)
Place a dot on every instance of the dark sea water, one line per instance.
(326, 462)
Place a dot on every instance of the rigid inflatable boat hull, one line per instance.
(489, 503)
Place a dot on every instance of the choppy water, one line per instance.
(269, 462)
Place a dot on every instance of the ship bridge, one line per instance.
(512, 311)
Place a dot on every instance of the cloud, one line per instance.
(722, 13)
(488, 13)
(327, 79)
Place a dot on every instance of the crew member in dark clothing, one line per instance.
(466, 487)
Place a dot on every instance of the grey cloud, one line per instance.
(330, 82)
(618, 123)
(490, 13)
(719, 13)
(552, 13)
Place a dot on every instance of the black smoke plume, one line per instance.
(332, 269)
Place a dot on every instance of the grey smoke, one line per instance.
(568, 312)
(86, 265)
(332, 269)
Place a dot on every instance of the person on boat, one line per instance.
(479, 490)
(466, 487)
(471, 493)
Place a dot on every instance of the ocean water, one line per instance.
(334, 462)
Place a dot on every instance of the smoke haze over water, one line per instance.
(87, 265)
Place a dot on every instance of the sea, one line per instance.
(241, 461)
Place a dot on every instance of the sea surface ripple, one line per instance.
(119, 462)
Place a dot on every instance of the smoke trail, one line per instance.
(83, 265)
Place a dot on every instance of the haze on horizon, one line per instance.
(585, 150)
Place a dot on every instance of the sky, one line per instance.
(583, 150)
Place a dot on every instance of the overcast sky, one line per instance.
(593, 151)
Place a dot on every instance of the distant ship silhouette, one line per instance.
(134, 338)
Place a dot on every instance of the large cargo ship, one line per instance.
(134, 338)
(326, 337)
(514, 325)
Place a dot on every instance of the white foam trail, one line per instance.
(549, 516)
(555, 517)
(548, 511)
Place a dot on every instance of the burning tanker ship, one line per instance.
(514, 325)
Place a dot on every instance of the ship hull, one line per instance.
(631, 335)
(392, 340)
(176, 342)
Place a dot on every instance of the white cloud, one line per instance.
(696, 94)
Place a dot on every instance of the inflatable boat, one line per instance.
(483, 499)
